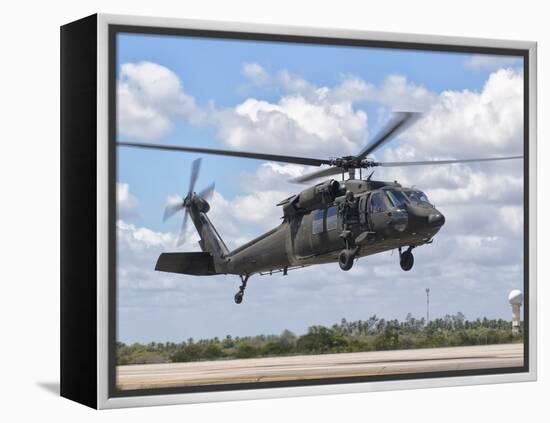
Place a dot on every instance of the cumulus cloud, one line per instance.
(314, 119)
(295, 84)
(306, 118)
(270, 175)
(293, 124)
(134, 243)
(126, 201)
(395, 91)
(490, 62)
(150, 96)
(467, 124)
(255, 73)
(489, 122)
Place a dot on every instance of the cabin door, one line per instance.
(379, 214)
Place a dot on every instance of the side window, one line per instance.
(317, 221)
(363, 210)
(378, 204)
(332, 218)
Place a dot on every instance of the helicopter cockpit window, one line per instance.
(317, 221)
(418, 196)
(397, 197)
(332, 218)
(377, 203)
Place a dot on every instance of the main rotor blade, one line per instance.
(181, 237)
(335, 170)
(440, 162)
(171, 210)
(247, 155)
(207, 192)
(399, 122)
(195, 168)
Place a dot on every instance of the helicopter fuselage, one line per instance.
(363, 217)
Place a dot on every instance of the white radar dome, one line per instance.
(515, 297)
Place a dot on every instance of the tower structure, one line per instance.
(516, 299)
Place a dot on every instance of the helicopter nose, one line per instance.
(436, 219)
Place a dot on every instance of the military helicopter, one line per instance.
(332, 221)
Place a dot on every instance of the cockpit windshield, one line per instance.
(418, 196)
(397, 197)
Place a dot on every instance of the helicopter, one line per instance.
(336, 220)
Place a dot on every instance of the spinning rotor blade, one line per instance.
(181, 237)
(171, 210)
(399, 122)
(335, 170)
(195, 168)
(439, 162)
(247, 155)
(207, 192)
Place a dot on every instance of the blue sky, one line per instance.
(221, 85)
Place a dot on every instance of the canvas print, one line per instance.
(293, 213)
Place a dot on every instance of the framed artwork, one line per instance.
(254, 211)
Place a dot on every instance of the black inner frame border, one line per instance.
(114, 29)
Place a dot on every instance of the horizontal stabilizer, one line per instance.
(199, 264)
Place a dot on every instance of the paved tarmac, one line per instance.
(319, 366)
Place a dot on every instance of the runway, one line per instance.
(318, 366)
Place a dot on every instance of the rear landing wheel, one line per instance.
(240, 293)
(345, 259)
(406, 261)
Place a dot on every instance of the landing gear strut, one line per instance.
(240, 293)
(347, 255)
(406, 259)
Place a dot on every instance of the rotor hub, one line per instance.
(351, 162)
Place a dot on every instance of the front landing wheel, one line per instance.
(239, 297)
(406, 261)
(345, 259)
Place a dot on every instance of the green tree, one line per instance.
(245, 350)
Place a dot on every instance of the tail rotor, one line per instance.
(190, 200)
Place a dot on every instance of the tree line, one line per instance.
(373, 334)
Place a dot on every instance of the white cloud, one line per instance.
(126, 201)
(149, 97)
(306, 118)
(295, 84)
(255, 73)
(294, 125)
(467, 124)
(512, 218)
(490, 62)
(273, 176)
(138, 248)
(143, 237)
(311, 119)
(395, 91)
(489, 122)
(259, 208)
